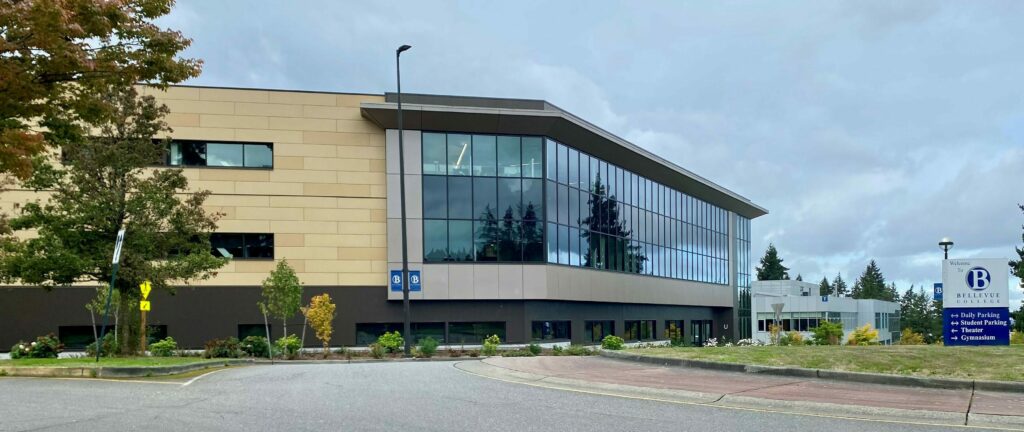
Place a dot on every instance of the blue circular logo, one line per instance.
(978, 279)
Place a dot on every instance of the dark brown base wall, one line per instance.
(195, 315)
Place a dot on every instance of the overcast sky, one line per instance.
(869, 130)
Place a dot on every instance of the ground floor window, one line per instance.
(367, 333)
(78, 337)
(246, 330)
(422, 331)
(474, 332)
(674, 330)
(639, 330)
(551, 330)
(594, 331)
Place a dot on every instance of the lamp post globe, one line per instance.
(946, 244)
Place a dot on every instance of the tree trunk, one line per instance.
(95, 334)
(284, 326)
(131, 332)
(270, 346)
(302, 341)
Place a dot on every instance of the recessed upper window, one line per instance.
(242, 245)
(215, 154)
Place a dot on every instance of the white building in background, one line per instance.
(803, 309)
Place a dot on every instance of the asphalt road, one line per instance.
(432, 396)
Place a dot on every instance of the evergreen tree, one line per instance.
(1017, 267)
(824, 288)
(839, 286)
(799, 277)
(771, 267)
(871, 284)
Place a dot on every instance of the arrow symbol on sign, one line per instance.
(146, 287)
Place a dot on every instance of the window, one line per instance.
(246, 330)
(674, 330)
(483, 155)
(434, 154)
(367, 333)
(486, 212)
(220, 154)
(422, 331)
(594, 331)
(639, 330)
(78, 337)
(551, 330)
(242, 246)
(474, 332)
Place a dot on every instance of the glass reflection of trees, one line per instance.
(606, 234)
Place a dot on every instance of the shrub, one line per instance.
(774, 333)
(452, 352)
(827, 333)
(791, 338)
(1017, 338)
(44, 347)
(377, 350)
(427, 347)
(612, 342)
(256, 346)
(864, 335)
(909, 337)
(491, 345)
(474, 353)
(534, 348)
(557, 350)
(518, 353)
(108, 347)
(222, 348)
(392, 342)
(288, 346)
(578, 350)
(164, 348)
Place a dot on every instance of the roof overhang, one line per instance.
(527, 117)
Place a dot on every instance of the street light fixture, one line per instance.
(401, 182)
(946, 244)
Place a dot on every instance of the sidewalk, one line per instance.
(807, 396)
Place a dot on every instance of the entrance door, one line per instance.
(701, 331)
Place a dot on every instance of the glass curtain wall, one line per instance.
(743, 275)
(483, 198)
(602, 216)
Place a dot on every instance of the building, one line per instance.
(525, 221)
(803, 309)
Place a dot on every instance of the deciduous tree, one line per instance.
(58, 58)
(321, 317)
(282, 294)
(106, 182)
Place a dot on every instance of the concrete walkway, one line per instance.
(807, 396)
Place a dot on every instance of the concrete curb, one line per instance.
(114, 371)
(358, 361)
(858, 377)
(946, 418)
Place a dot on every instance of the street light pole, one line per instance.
(946, 244)
(401, 182)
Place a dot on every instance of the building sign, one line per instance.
(975, 297)
(396, 280)
(937, 294)
(414, 281)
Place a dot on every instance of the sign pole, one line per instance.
(142, 343)
(110, 292)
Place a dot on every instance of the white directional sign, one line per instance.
(117, 246)
(975, 283)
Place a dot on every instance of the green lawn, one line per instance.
(104, 362)
(986, 363)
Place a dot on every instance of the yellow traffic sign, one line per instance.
(146, 287)
(144, 305)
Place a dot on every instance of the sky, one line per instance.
(869, 130)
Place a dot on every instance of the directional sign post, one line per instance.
(144, 307)
(110, 291)
(975, 301)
